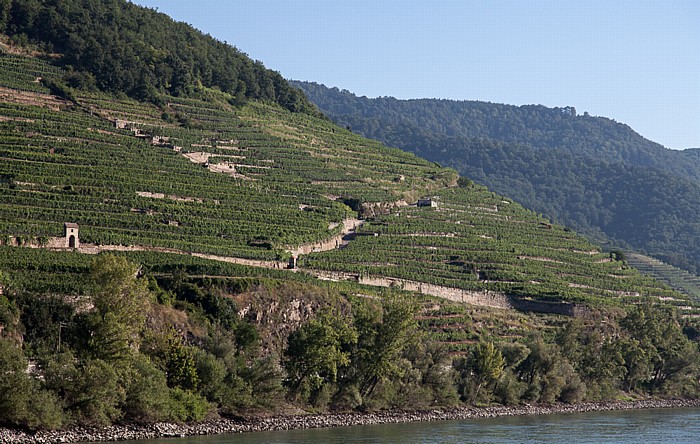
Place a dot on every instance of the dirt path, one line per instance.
(481, 298)
(95, 249)
(347, 233)
(338, 241)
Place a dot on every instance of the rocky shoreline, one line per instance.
(259, 424)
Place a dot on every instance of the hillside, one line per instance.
(258, 184)
(232, 259)
(117, 46)
(590, 173)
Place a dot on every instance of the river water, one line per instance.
(675, 426)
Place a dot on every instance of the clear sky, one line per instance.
(635, 61)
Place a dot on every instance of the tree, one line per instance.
(146, 395)
(383, 335)
(317, 350)
(597, 356)
(9, 314)
(22, 401)
(659, 354)
(121, 302)
(482, 368)
(549, 375)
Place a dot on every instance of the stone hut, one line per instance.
(427, 202)
(70, 230)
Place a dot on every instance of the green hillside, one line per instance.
(257, 183)
(593, 174)
(117, 46)
(244, 258)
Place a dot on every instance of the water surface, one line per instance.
(675, 426)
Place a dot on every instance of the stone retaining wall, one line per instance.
(481, 298)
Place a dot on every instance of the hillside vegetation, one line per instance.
(116, 46)
(181, 299)
(590, 173)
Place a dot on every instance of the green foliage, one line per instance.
(122, 47)
(165, 339)
(317, 351)
(383, 335)
(177, 360)
(481, 369)
(147, 395)
(45, 319)
(9, 313)
(94, 394)
(479, 241)
(549, 376)
(186, 406)
(659, 355)
(23, 402)
(121, 302)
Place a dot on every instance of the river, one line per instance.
(675, 426)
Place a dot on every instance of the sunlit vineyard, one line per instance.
(198, 175)
(477, 240)
(261, 193)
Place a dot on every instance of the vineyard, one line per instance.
(477, 240)
(136, 183)
(676, 278)
(200, 176)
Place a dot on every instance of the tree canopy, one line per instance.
(117, 46)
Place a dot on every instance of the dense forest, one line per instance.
(591, 173)
(117, 46)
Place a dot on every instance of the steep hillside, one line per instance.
(192, 256)
(258, 185)
(221, 183)
(591, 173)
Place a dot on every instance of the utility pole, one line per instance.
(60, 326)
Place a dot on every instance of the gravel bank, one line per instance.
(227, 426)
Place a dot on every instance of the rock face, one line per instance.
(259, 424)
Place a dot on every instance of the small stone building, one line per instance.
(427, 202)
(70, 230)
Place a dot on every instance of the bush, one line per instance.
(146, 391)
(186, 406)
(22, 401)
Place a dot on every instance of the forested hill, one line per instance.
(117, 46)
(591, 173)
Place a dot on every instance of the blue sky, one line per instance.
(637, 62)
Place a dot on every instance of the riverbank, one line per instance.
(259, 424)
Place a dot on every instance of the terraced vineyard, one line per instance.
(676, 278)
(198, 176)
(149, 182)
(478, 241)
(227, 251)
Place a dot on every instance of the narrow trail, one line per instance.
(95, 249)
(341, 240)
